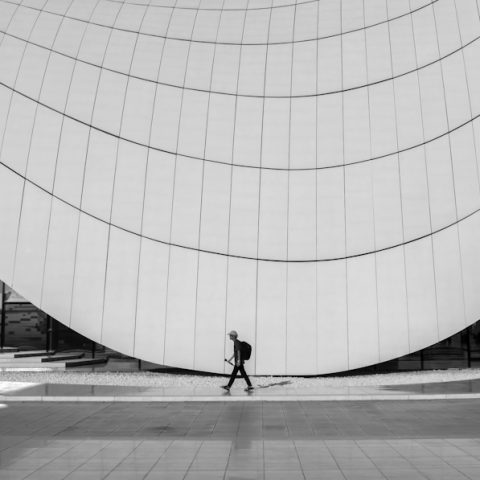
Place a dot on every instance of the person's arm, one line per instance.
(231, 358)
(237, 354)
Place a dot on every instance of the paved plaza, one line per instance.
(368, 440)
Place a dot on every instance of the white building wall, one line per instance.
(307, 174)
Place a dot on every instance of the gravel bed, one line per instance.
(152, 379)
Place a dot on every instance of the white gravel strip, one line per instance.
(151, 379)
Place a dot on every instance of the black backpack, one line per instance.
(246, 350)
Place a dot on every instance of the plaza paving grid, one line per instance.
(408, 440)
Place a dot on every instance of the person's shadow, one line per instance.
(285, 382)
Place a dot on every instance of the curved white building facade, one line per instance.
(307, 174)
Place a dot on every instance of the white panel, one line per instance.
(356, 125)
(94, 44)
(210, 314)
(89, 278)
(329, 17)
(186, 202)
(465, 171)
(306, 21)
(199, 68)
(414, 190)
(82, 9)
(256, 26)
(181, 23)
(16, 140)
(251, 80)
(241, 306)
(11, 52)
(215, 207)
(378, 53)
(174, 62)
(281, 24)
(354, 61)
(60, 262)
(332, 326)
(402, 45)
(271, 318)
(456, 92)
(422, 309)
(425, 33)
(31, 71)
(330, 213)
(147, 57)
(363, 344)
(382, 118)
(221, 117)
(302, 228)
(45, 29)
(166, 114)
(396, 8)
(329, 130)
(301, 319)
(273, 233)
(71, 161)
(119, 51)
(31, 245)
(22, 22)
(7, 10)
(329, 64)
(193, 123)
(151, 302)
(106, 13)
(137, 115)
(130, 17)
(118, 325)
(468, 20)
(231, 26)
(248, 130)
(449, 285)
(69, 37)
(392, 304)
(387, 202)
(99, 175)
(472, 67)
(276, 133)
(158, 195)
(180, 328)
(156, 20)
(11, 187)
(375, 11)
(304, 68)
(244, 212)
(434, 114)
(409, 119)
(109, 102)
(83, 90)
(5, 98)
(206, 25)
(56, 82)
(352, 15)
(359, 214)
(469, 230)
(278, 70)
(129, 186)
(303, 131)
(440, 183)
(447, 26)
(44, 148)
(225, 68)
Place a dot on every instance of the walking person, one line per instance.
(241, 352)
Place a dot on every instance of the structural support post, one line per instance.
(49, 333)
(3, 318)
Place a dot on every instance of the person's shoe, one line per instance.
(249, 388)
(226, 387)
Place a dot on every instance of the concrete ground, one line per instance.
(352, 440)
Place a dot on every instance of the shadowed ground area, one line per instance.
(436, 439)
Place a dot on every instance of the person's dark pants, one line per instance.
(240, 369)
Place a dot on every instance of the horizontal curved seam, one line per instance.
(231, 94)
(242, 257)
(239, 165)
(273, 7)
(208, 42)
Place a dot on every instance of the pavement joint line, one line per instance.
(211, 398)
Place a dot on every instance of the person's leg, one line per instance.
(244, 375)
(233, 376)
